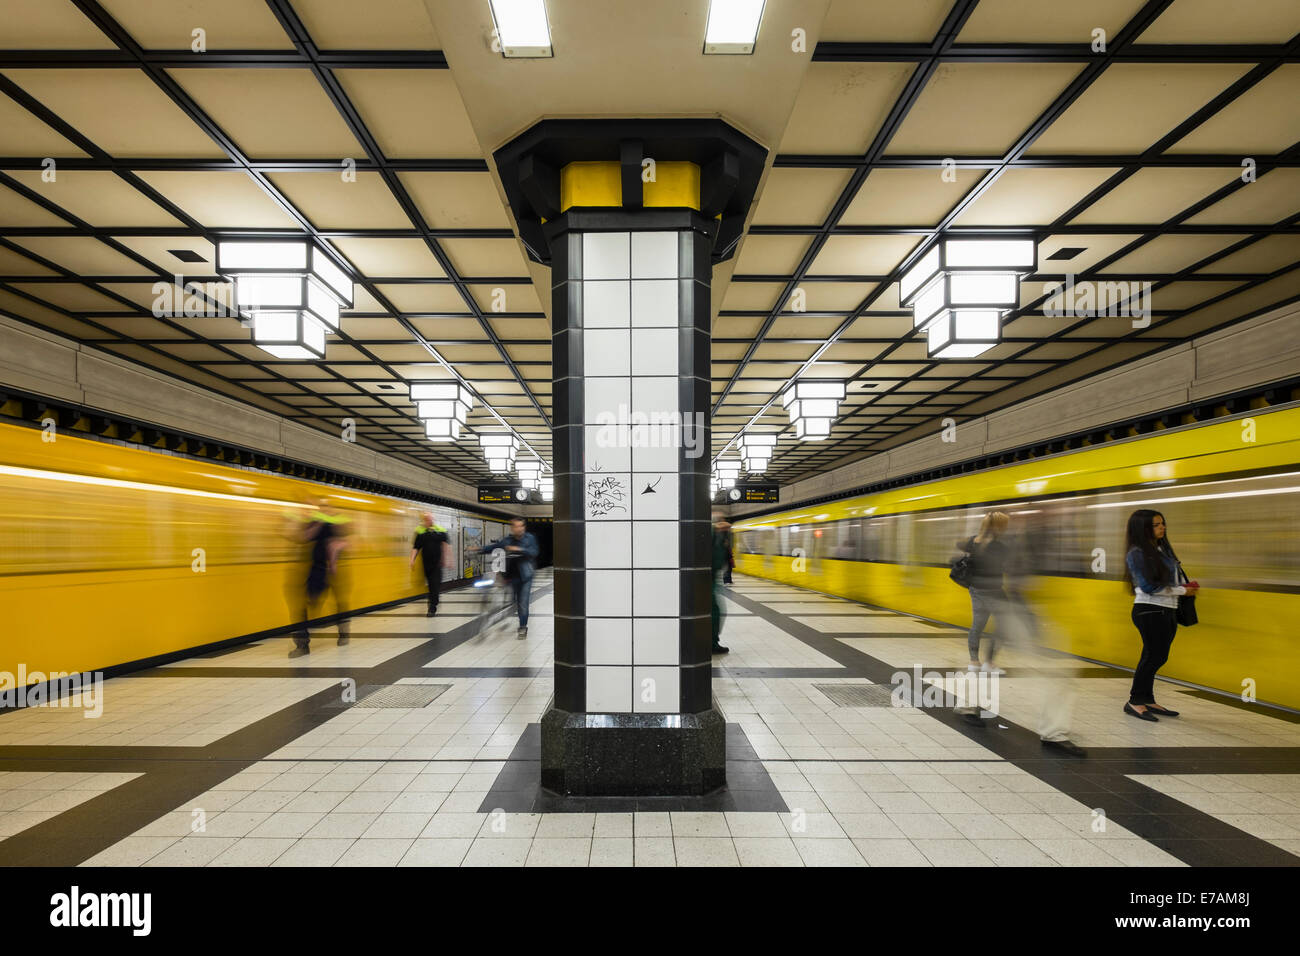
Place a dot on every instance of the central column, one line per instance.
(631, 245)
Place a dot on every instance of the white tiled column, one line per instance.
(631, 434)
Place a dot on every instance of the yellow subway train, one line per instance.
(111, 555)
(1229, 490)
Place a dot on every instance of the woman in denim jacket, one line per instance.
(1151, 568)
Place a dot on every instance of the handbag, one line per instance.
(962, 570)
(1186, 613)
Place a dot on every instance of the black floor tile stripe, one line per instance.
(174, 776)
(1100, 780)
(517, 787)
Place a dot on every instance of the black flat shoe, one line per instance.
(719, 649)
(1162, 711)
(1141, 715)
(1066, 746)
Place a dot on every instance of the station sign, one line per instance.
(503, 493)
(749, 492)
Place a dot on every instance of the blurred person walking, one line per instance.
(326, 535)
(729, 542)
(430, 540)
(988, 559)
(721, 555)
(1152, 570)
(521, 559)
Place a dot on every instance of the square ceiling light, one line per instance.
(733, 26)
(522, 28)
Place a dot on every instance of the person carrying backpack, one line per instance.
(982, 566)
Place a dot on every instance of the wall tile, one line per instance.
(654, 544)
(656, 641)
(661, 684)
(654, 255)
(654, 303)
(608, 352)
(609, 594)
(606, 255)
(655, 593)
(654, 352)
(606, 305)
(609, 690)
(609, 641)
(609, 544)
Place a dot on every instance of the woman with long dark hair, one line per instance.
(1151, 568)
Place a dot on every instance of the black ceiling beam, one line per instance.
(862, 52)
(122, 58)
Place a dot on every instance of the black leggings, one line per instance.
(1157, 626)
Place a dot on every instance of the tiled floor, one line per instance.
(292, 776)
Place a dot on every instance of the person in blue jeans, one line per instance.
(521, 558)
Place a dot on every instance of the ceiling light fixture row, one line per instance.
(523, 30)
(960, 290)
(443, 407)
(290, 290)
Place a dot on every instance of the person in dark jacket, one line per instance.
(521, 550)
(325, 533)
(1151, 568)
(989, 558)
(430, 540)
(721, 554)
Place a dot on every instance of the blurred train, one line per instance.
(112, 555)
(1230, 492)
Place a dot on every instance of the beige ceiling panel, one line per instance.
(751, 296)
(1267, 255)
(1107, 327)
(1095, 248)
(854, 352)
(515, 329)
(98, 197)
(363, 302)
(143, 327)
(18, 307)
(331, 202)
(883, 21)
(485, 257)
(886, 300)
(862, 255)
(771, 255)
(73, 297)
(1240, 305)
(445, 329)
(16, 210)
(457, 200)
(1188, 295)
(220, 200)
(226, 24)
(1033, 21)
(50, 25)
(840, 106)
(290, 117)
(909, 197)
(832, 296)
(348, 25)
(1271, 198)
(83, 255)
(413, 114)
(422, 297)
(471, 353)
(784, 351)
(1262, 121)
(22, 134)
(737, 327)
(804, 327)
(13, 264)
(157, 249)
(1132, 105)
(799, 197)
(369, 328)
(121, 111)
(979, 109)
(212, 298)
(1032, 196)
(1154, 195)
(1172, 253)
(880, 327)
(1206, 21)
(385, 257)
(507, 298)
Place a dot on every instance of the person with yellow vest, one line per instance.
(325, 531)
(430, 539)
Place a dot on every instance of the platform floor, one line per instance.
(246, 757)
